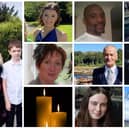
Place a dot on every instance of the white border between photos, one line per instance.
(73, 86)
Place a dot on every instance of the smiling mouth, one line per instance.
(100, 26)
(51, 74)
(97, 114)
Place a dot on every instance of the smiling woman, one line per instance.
(97, 109)
(49, 60)
(49, 19)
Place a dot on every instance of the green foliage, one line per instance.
(10, 28)
(119, 56)
(32, 11)
(68, 30)
(8, 31)
(92, 58)
(66, 12)
(6, 12)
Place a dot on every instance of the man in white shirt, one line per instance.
(109, 74)
(94, 20)
(12, 84)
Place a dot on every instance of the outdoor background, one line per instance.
(87, 57)
(32, 11)
(10, 25)
(116, 97)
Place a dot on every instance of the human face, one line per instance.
(95, 20)
(15, 53)
(110, 56)
(97, 106)
(50, 68)
(49, 18)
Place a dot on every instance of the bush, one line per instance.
(8, 31)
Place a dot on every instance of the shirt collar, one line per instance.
(18, 63)
(113, 69)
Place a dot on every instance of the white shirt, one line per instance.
(12, 73)
(114, 70)
(86, 37)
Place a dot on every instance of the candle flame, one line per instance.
(44, 92)
(58, 108)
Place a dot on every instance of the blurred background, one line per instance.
(32, 12)
(116, 97)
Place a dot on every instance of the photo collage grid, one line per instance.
(64, 63)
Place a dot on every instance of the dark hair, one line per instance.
(83, 118)
(42, 50)
(89, 7)
(51, 6)
(14, 43)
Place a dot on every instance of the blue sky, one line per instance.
(126, 103)
(93, 47)
(126, 89)
(17, 7)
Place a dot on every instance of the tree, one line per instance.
(32, 10)
(6, 12)
(10, 28)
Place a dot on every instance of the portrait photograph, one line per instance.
(98, 106)
(48, 64)
(98, 64)
(48, 21)
(98, 21)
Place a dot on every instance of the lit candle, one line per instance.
(46, 124)
(57, 119)
(43, 109)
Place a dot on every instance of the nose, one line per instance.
(48, 18)
(108, 57)
(100, 19)
(98, 107)
(52, 67)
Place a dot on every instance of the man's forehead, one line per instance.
(93, 8)
(110, 49)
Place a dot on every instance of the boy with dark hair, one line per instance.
(12, 84)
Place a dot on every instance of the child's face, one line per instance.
(15, 53)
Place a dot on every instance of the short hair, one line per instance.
(88, 7)
(51, 6)
(14, 43)
(108, 47)
(42, 50)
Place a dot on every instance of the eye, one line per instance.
(58, 63)
(92, 15)
(45, 15)
(46, 61)
(94, 103)
(53, 15)
(103, 104)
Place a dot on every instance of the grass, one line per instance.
(68, 30)
(65, 28)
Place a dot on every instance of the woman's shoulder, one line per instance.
(36, 31)
(62, 36)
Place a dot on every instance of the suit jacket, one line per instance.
(99, 76)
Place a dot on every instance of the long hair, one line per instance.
(83, 118)
(51, 6)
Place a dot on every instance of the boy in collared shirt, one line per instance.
(12, 84)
